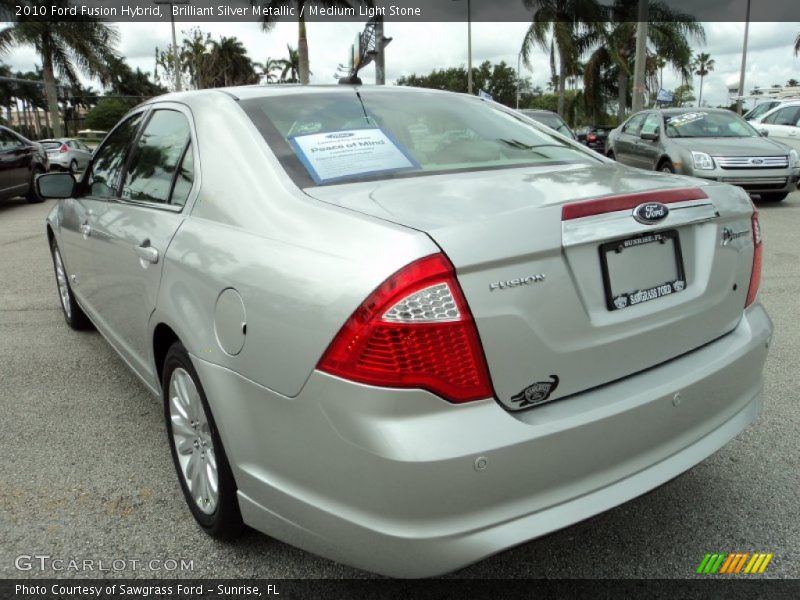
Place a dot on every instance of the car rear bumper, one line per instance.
(404, 484)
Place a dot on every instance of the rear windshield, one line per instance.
(553, 121)
(51, 145)
(323, 138)
(702, 124)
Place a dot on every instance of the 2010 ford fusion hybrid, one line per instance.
(407, 329)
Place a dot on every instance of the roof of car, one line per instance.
(247, 92)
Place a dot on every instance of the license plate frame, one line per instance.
(626, 299)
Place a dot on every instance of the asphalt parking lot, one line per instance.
(86, 471)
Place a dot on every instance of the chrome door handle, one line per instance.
(146, 252)
(85, 229)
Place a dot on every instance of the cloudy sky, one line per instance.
(420, 47)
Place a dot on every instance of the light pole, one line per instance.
(176, 64)
(469, 45)
(744, 60)
(641, 57)
(519, 77)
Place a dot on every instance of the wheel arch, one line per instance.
(663, 159)
(163, 337)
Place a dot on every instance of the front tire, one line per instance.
(73, 166)
(666, 167)
(203, 470)
(73, 313)
(774, 197)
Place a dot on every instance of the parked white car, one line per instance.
(781, 124)
(67, 154)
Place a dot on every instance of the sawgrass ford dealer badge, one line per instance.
(642, 268)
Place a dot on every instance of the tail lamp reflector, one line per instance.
(755, 273)
(414, 331)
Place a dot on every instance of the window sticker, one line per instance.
(338, 155)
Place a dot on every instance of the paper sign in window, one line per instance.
(346, 154)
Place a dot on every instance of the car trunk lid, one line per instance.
(536, 253)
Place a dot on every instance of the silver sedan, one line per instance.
(709, 143)
(407, 329)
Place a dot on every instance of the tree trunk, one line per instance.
(52, 94)
(562, 81)
(700, 96)
(302, 51)
(622, 95)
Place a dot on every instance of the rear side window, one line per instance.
(651, 124)
(785, 116)
(110, 158)
(157, 157)
(634, 124)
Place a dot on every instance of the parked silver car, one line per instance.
(67, 154)
(407, 329)
(709, 143)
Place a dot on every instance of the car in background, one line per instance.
(760, 109)
(407, 328)
(709, 143)
(67, 154)
(21, 160)
(594, 137)
(549, 118)
(781, 124)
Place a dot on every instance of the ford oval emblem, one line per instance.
(650, 212)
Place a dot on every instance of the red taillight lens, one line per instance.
(755, 274)
(414, 331)
(592, 137)
(64, 148)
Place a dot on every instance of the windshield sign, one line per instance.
(700, 124)
(343, 154)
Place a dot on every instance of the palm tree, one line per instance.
(269, 69)
(65, 48)
(554, 25)
(703, 64)
(610, 66)
(792, 83)
(233, 65)
(289, 67)
(301, 6)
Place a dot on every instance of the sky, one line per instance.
(421, 47)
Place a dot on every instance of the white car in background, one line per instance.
(67, 154)
(781, 124)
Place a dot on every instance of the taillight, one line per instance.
(64, 148)
(755, 274)
(591, 137)
(414, 331)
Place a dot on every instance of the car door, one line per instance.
(783, 125)
(80, 242)
(84, 154)
(135, 229)
(625, 145)
(15, 164)
(648, 151)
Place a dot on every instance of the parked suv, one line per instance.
(20, 161)
(709, 143)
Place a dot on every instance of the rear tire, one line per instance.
(31, 196)
(776, 197)
(666, 167)
(73, 313)
(200, 461)
(73, 166)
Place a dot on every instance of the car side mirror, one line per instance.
(763, 132)
(649, 136)
(55, 186)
